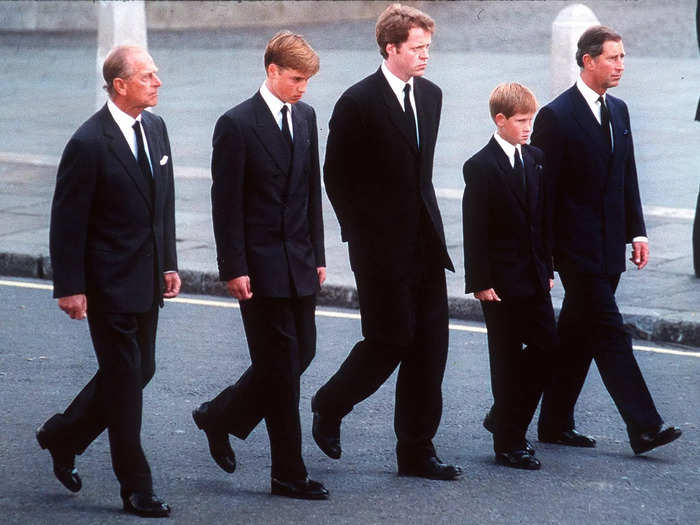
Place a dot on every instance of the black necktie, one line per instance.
(519, 171)
(605, 122)
(408, 110)
(141, 157)
(285, 127)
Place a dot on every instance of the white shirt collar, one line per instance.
(125, 123)
(275, 106)
(508, 148)
(397, 85)
(591, 97)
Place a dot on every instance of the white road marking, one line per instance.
(335, 314)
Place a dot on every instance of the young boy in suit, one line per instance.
(508, 266)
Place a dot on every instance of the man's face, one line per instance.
(140, 88)
(606, 69)
(515, 129)
(410, 58)
(287, 84)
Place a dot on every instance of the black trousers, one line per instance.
(518, 375)
(125, 348)
(404, 324)
(281, 335)
(590, 327)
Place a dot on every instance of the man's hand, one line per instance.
(172, 285)
(240, 288)
(321, 271)
(551, 284)
(640, 254)
(487, 295)
(74, 305)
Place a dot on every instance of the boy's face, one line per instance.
(515, 129)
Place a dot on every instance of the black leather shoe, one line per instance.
(326, 433)
(219, 446)
(298, 489)
(490, 424)
(646, 441)
(145, 504)
(518, 459)
(430, 468)
(571, 438)
(63, 463)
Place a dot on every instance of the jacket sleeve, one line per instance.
(342, 160)
(634, 217)
(475, 206)
(228, 180)
(70, 214)
(315, 201)
(169, 237)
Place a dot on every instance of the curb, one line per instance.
(645, 324)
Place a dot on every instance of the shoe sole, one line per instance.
(285, 494)
(670, 437)
(515, 465)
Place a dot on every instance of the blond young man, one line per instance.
(266, 207)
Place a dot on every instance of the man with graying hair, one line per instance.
(112, 245)
(587, 140)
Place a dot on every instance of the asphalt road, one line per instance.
(45, 358)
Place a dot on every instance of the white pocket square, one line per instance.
(164, 160)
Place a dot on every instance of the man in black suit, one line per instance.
(113, 254)
(585, 135)
(268, 224)
(378, 174)
(508, 266)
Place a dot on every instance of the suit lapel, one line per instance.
(396, 113)
(532, 178)
(155, 153)
(301, 143)
(122, 151)
(586, 120)
(505, 172)
(270, 134)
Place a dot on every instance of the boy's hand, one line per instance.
(551, 284)
(487, 295)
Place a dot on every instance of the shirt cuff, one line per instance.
(641, 238)
(170, 271)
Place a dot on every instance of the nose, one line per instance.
(302, 87)
(156, 80)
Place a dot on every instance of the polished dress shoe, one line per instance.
(299, 489)
(490, 424)
(63, 463)
(145, 504)
(430, 468)
(326, 433)
(219, 446)
(646, 441)
(571, 438)
(518, 459)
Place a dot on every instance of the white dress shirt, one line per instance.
(275, 106)
(397, 85)
(125, 122)
(509, 149)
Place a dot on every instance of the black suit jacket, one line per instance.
(507, 243)
(597, 209)
(379, 182)
(109, 235)
(266, 202)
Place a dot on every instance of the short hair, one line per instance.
(394, 24)
(291, 51)
(118, 65)
(510, 98)
(592, 40)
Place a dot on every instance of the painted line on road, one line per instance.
(334, 314)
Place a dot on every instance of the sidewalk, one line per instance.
(659, 303)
